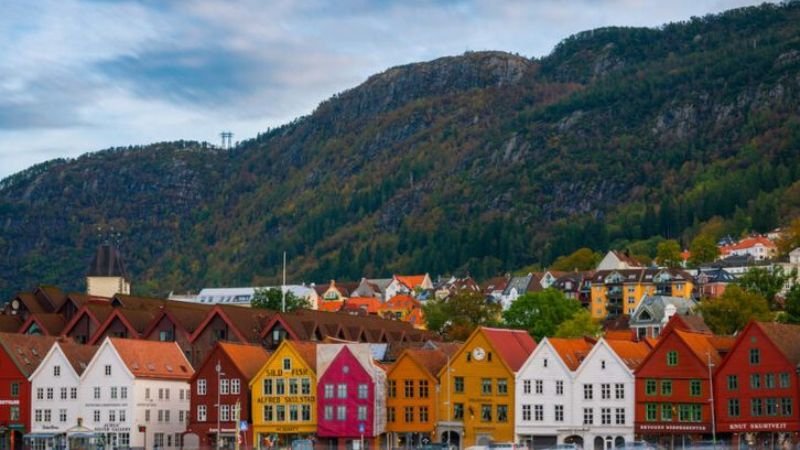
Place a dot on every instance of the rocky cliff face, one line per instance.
(481, 162)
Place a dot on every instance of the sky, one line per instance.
(83, 75)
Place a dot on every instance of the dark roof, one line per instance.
(78, 355)
(514, 346)
(9, 323)
(784, 336)
(26, 351)
(107, 262)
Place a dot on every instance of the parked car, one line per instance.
(568, 446)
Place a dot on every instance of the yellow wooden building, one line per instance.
(413, 396)
(284, 396)
(618, 292)
(477, 387)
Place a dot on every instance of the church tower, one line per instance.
(107, 275)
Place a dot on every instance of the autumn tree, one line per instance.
(540, 313)
(270, 298)
(703, 249)
(790, 238)
(457, 316)
(733, 309)
(580, 324)
(766, 282)
(581, 259)
(668, 253)
(792, 305)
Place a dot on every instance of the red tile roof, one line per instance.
(432, 360)
(307, 351)
(78, 355)
(785, 337)
(514, 346)
(9, 324)
(330, 305)
(370, 305)
(153, 359)
(26, 351)
(401, 301)
(411, 281)
(50, 324)
(248, 358)
(572, 351)
(631, 353)
(746, 243)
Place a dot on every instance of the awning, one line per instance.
(38, 435)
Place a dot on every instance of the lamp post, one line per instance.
(218, 368)
(711, 401)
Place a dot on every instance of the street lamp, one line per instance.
(218, 368)
(711, 401)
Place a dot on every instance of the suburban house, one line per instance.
(759, 247)
(654, 311)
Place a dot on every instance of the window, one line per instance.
(755, 381)
(526, 413)
(63, 393)
(502, 413)
(486, 413)
(329, 412)
(733, 407)
(605, 416)
(108, 370)
(362, 413)
(236, 386)
(341, 391)
(423, 389)
(588, 392)
(650, 411)
(784, 380)
(292, 386)
(201, 386)
(147, 415)
(122, 415)
(341, 412)
(267, 387)
(363, 390)
(502, 386)
(672, 358)
(733, 382)
(49, 393)
(293, 413)
(147, 393)
(305, 386)
(391, 388)
(15, 389)
(605, 391)
(771, 406)
(690, 413)
(280, 386)
(201, 413)
(459, 384)
(755, 356)
(114, 392)
(526, 386)
(305, 412)
(223, 410)
(158, 440)
(666, 387)
(588, 416)
(559, 387)
(486, 386)
(73, 393)
(287, 364)
(650, 387)
(619, 391)
(269, 413)
(619, 415)
(166, 336)
(96, 415)
(328, 391)
(538, 413)
(13, 413)
(96, 392)
(545, 362)
(390, 414)
(56, 371)
(695, 388)
(786, 406)
(539, 386)
(62, 415)
(458, 411)
(769, 380)
(423, 414)
(224, 413)
(666, 412)
(409, 388)
(40, 393)
(223, 386)
(409, 414)
(112, 416)
(559, 413)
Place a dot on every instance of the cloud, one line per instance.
(81, 75)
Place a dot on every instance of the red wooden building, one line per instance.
(20, 355)
(673, 396)
(238, 364)
(756, 387)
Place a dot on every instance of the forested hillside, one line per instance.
(482, 162)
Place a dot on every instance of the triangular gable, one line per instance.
(466, 345)
(276, 320)
(33, 320)
(216, 311)
(164, 314)
(602, 343)
(543, 345)
(666, 334)
(83, 311)
(106, 344)
(745, 333)
(284, 346)
(409, 356)
(115, 315)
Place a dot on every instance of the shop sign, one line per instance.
(672, 428)
(113, 428)
(9, 402)
(298, 372)
(288, 399)
(757, 426)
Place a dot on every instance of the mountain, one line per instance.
(481, 162)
